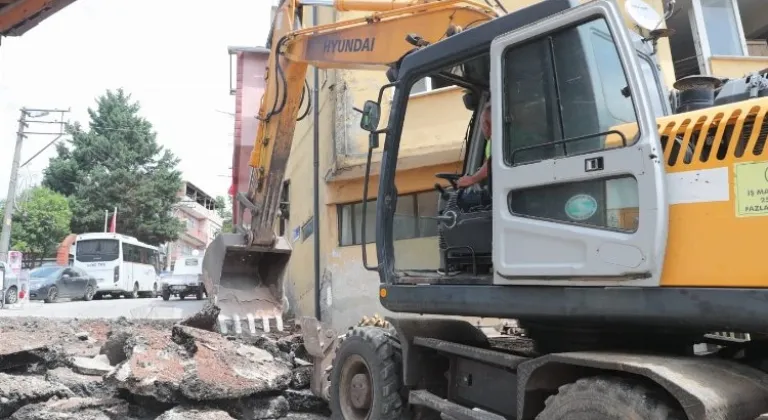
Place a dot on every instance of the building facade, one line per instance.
(197, 210)
(432, 142)
(247, 68)
(725, 38)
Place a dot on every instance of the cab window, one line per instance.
(566, 85)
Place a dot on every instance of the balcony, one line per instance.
(195, 237)
(196, 210)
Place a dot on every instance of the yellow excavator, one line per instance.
(619, 222)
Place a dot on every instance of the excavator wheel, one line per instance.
(609, 398)
(377, 321)
(366, 376)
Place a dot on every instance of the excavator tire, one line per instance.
(610, 398)
(377, 321)
(366, 375)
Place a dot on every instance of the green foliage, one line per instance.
(224, 208)
(40, 222)
(117, 162)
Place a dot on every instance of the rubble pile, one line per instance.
(102, 370)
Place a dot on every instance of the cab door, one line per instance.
(579, 191)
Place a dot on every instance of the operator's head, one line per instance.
(485, 120)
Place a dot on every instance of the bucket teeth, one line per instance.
(249, 324)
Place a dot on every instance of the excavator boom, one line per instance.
(243, 271)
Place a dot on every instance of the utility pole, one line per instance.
(10, 202)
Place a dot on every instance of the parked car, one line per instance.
(53, 282)
(11, 284)
(186, 279)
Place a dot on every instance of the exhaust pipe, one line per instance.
(696, 92)
(246, 283)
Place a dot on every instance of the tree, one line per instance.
(117, 162)
(224, 208)
(40, 222)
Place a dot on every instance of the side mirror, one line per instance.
(371, 116)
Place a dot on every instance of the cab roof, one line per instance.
(19, 16)
(475, 44)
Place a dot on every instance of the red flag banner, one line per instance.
(113, 225)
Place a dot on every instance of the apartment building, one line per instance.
(202, 222)
(724, 38)
(247, 69)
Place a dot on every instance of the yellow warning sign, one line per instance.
(751, 185)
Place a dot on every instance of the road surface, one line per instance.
(109, 308)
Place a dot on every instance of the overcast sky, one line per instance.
(171, 55)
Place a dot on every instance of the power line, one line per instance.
(26, 118)
(42, 150)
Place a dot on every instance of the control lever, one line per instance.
(452, 178)
(443, 194)
(448, 219)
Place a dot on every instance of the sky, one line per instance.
(170, 55)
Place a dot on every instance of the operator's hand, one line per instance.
(465, 181)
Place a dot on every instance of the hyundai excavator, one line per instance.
(621, 231)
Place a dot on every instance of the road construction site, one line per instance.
(93, 369)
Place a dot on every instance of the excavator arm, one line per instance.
(243, 271)
(373, 42)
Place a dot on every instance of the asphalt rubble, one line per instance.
(152, 370)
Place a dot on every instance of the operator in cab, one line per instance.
(470, 194)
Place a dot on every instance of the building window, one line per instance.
(307, 229)
(414, 218)
(422, 86)
(428, 84)
(191, 223)
(722, 24)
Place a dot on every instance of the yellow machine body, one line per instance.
(717, 189)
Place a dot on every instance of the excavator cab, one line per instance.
(566, 182)
(577, 183)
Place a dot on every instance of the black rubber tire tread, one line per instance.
(386, 366)
(8, 293)
(85, 296)
(55, 298)
(608, 397)
(134, 294)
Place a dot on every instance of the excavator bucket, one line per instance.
(246, 282)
